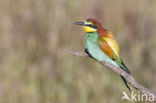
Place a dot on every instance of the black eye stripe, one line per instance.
(92, 26)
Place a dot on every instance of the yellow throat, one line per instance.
(88, 29)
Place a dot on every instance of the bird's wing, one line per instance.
(109, 46)
(113, 44)
(105, 47)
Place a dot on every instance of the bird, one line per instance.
(101, 45)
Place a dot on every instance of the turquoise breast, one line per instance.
(94, 49)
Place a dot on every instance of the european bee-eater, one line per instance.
(101, 45)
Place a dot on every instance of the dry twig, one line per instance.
(130, 79)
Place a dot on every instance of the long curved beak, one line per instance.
(79, 23)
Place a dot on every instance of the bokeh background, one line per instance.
(36, 35)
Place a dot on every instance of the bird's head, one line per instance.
(89, 25)
(92, 25)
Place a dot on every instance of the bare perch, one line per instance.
(130, 79)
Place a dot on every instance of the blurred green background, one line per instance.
(36, 35)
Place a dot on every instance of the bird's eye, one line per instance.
(95, 27)
(92, 26)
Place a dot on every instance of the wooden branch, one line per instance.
(130, 79)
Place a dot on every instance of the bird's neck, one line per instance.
(91, 35)
(104, 33)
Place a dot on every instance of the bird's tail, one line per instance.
(123, 66)
(125, 82)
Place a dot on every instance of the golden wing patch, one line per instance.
(105, 48)
(113, 44)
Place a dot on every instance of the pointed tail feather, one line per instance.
(125, 83)
(123, 66)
